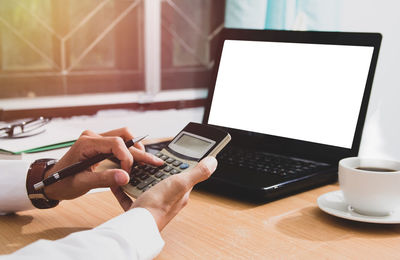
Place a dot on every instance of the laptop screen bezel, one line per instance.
(287, 146)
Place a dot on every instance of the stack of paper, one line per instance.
(57, 135)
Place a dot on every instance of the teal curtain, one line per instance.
(248, 14)
(321, 15)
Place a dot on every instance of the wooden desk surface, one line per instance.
(214, 227)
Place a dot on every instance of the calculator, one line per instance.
(193, 143)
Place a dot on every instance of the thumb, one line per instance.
(107, 178)
(201, 172)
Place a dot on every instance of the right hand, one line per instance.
(168, 197)
(88, 145)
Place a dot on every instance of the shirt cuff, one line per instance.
(13, 194)
(139, 229)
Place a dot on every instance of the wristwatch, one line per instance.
(36, 174)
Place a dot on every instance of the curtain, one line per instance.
(322, 15)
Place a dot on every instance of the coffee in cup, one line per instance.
(370, 186)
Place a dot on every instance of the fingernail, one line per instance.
(120, 178)
(211, 163)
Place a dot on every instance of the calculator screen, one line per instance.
(192, 145)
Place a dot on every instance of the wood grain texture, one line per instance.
(214, 227)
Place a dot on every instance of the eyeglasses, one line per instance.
(24, 128)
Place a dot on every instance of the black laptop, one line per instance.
(294, 103)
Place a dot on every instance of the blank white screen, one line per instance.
(309, 92)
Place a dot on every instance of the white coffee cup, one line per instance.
(367, 188)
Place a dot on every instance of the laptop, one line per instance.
(294, 103)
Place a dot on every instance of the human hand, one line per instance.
(88, 145)
(168, 197)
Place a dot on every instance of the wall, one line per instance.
(381, 136)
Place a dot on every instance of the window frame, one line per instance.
(153, 96)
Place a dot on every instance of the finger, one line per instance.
(115, 145)
(89, 133)
(140, 146)
(124, 200)
(122, 132)
(142, 156)
(199, 173)
(177, 185)
(107, 178)
(125, 134)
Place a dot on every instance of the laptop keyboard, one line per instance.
(266, 163)
(260, 162)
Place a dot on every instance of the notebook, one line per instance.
(294, 103)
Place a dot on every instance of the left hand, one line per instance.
(88, 145)
(168, 197)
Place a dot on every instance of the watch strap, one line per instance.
(36, 174)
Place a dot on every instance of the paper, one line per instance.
(61, 131)
(58, 134)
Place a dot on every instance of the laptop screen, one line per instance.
(302, 91)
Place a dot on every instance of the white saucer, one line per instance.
(333, 203)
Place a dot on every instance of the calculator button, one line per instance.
(146, 188)
(153, 170)
(177, 163)
(159, 174)
(174, 171)
(170, 160)
(148, 167)
(168, 169)
(146, 182)
(162, 166)
(134, 182)
(164, 177)
(134, 170)
(143, 176)
(164, 157)
(138, 173)
(159, 154)
(184, 166)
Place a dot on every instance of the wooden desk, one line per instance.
(213, 227)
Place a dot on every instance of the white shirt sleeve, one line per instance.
(132, 235)
(13, 194)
